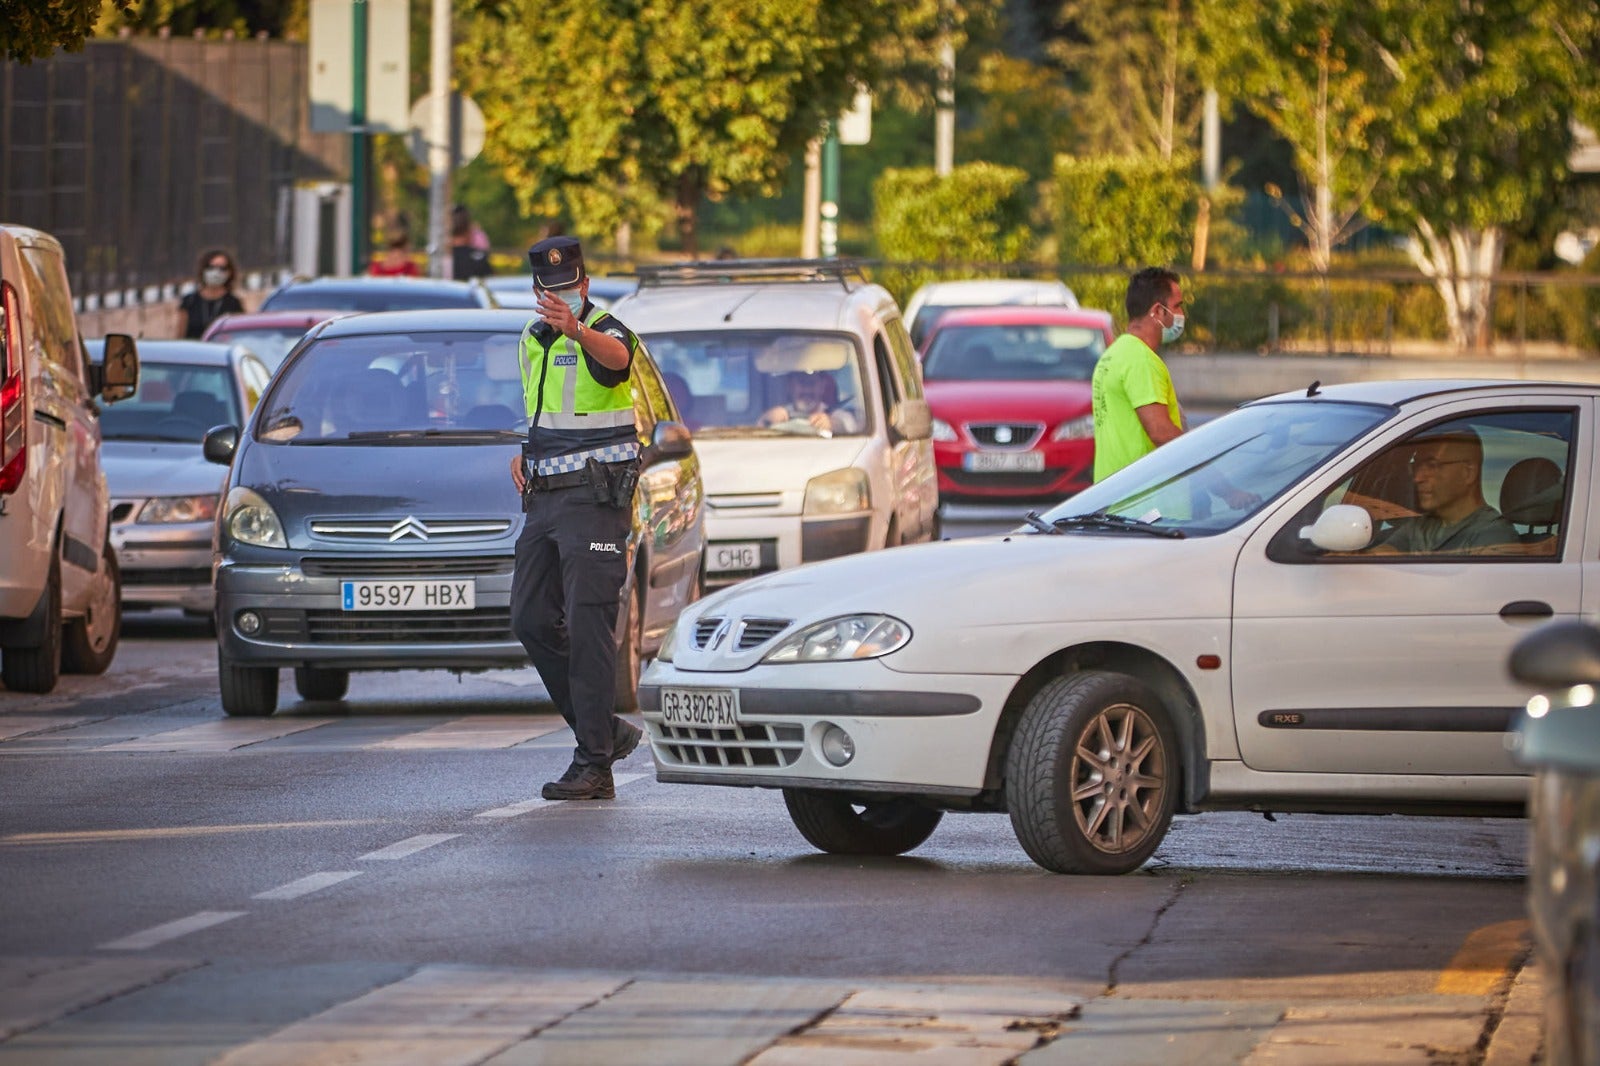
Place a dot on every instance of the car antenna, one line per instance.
(1315, 388)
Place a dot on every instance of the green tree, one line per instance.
(1133, 68)
(608, 112)
(32, 30)
(1303, 67)
(1477, 131)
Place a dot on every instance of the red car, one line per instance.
(269, 334)
(1010, 396)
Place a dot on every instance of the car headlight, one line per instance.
(1080, 428)
(838, 492)
(664, 653)
(855, 636)
(943, 431)
(166, 509)
(251, 520)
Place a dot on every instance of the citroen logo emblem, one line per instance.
(409, 526)
(1002, 435)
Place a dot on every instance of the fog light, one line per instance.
(249, 623)
(837, 747)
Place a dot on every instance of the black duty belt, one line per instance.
(550, 482)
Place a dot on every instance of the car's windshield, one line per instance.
(271, 343)
(1214, 477)
(767, 383)
(174, 402)
(399, 387)
(1031, 352)
(377, 298)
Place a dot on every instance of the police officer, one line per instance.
(576, 476)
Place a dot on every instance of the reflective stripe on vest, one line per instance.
(572, 400)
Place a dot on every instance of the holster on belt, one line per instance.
(612, 483)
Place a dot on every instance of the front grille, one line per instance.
(754, 632)
(199, 576)
(405, 566)
(409, 529)
(747, 744)
(483, 625)
(705, 629)
(1005, 434)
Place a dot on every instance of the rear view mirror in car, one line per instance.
(1344, 527)
(671, 440)
(1558, 655)
(912, 420)
(119, 369)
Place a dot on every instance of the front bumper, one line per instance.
(165, 565)
(911, 735)
(303, 622)
(1068, 467)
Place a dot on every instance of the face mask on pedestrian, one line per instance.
(215, 275)
(1171, 333)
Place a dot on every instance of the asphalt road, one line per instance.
(377, 882)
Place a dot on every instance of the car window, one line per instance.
(253, 375)
(174, 402)
(651, 403)
(44, 276)
(395, 388)
(1217, 475)
(1013, 353)
(889, 386)
(905, 358)
(731, 383)
(1486, 486)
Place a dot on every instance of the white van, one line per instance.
(799, 382)
(59, 587)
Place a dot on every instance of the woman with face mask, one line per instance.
(212, 296)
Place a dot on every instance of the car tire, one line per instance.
(841, 825)
(630, 654)
(247, 691)
(38, 669)
(321, 684)
(88, 644)
(1105, 815)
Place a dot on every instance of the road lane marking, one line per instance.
(474, 732)
(111, 836)
(409, 846)
(523, 807)
(439, 1016)
(21, 725)
(225, 735)
(1484, 959)
(160, 934)
(306, 885)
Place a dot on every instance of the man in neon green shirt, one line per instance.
(1135, 406)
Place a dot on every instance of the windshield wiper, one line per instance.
(1102, 520)
(1033, 519)
(464, 433)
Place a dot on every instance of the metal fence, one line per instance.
(137, 154)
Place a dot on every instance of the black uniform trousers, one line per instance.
(571, 562)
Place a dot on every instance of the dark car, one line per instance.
(1559, 736)
(370, 519)
(376, 294)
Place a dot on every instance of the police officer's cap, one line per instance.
(557, 262)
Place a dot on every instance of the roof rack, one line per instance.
(734, 271)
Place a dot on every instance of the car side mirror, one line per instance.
(671, 440)
(1558, 655)
(1344, 527)
(119, 370)
(911, 420)
(219, 444)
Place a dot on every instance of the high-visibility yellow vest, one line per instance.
(573, 399)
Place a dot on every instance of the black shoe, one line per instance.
(624, 738)
(581, 783)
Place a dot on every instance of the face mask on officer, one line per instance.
(573, 298)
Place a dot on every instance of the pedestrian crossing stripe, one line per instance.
(472, 732)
